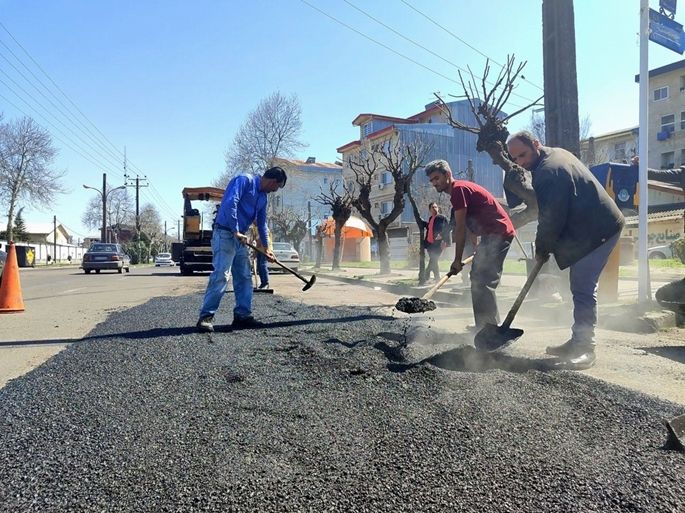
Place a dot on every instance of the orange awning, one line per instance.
(354, 228)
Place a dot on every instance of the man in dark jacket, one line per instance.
(577, 222)
(436, 238)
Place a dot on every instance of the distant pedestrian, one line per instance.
(436, 239)
(477, 211)
(69, 258)
(579, 224)
(244, 202)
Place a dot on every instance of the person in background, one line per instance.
(436, 239)
(244, 203)
(579, 224)
(260, 258)
(477, 211)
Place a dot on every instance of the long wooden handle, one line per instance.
(291, 271)
(443, 280)
(525, 254)
(522, 295)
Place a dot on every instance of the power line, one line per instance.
(461, 40)
(421, 46)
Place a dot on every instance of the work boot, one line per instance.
(205, 324)
(580, 362)
(570, 349)
(264, 285)
(246, 322)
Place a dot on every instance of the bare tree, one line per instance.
(492, 132)
(272, 130)
(26, 156)
(401, 160)
(151, 222)
(340, 201)
(537, 126)
(289, 226)
(120, 210)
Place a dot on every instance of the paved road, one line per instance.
(63, 304)
(326, 410)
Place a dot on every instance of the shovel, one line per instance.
(308, 282)
(676, 433)
(443, 280)
(493, 337)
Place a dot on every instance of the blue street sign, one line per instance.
(666, 32)
(668, 5)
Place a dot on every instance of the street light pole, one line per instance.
(104, 193)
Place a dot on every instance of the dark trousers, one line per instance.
(433, 259)
(486, 272)
(262, 269)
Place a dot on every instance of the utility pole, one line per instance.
(137, 184)
(309, 227)
(561, 83)
(165, 236)
(54, 238)
(103, 235)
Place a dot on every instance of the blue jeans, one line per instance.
(262, 269)
(229, 255)
(584, 277)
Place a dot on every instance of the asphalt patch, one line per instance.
(414, 305)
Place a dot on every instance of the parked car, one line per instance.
(105, 256)
(660, 252)
(285, 253)
(164, 259)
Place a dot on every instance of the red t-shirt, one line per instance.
(484, 215)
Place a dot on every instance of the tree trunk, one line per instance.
(518, 181)
(422, 251)
(319, 252)
(337, 249)
(383, 250)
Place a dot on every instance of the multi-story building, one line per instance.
(617, 146)
(430, 126)
(666, 115)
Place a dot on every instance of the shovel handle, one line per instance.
(291, 271)
(522, 295)
(443, 280)
(523, 250)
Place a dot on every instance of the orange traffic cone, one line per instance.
(10, 289)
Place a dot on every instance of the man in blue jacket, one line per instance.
(579, 224)
(244, 203)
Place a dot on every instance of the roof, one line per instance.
(304, 163)
(361, 118)
(381, 132)
(663, 69)
(40, 228)
(430, 110)
(614, 133)
(348, 146)
(670, 215)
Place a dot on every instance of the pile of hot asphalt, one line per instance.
(316, 411)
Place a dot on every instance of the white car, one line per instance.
(164, 259)
(286, 254)
(660, 252)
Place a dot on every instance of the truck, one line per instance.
(200, 206)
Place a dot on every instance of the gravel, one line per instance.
(414, 305)
(319, 412)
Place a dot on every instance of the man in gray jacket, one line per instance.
(579, 224)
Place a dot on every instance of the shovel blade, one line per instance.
(676, 433)
(310, 283)
(493, 337)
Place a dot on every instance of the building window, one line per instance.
(682, 157)
(619, 151)
(668, 123)
(386, 178)
(325, 181)
(682, 83)
(661, 94)
(386, 207)
(682, 120)
(668, 160)
(366, 129)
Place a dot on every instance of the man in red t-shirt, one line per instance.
(478, 211)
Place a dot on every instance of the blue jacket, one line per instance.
(243, 203)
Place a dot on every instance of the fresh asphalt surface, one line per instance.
(319, 412)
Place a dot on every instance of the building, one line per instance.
(666, 115)
(617, 146)
(430, 126)
(44, 233)
(306, 180)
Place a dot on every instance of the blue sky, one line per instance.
(173, 80)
